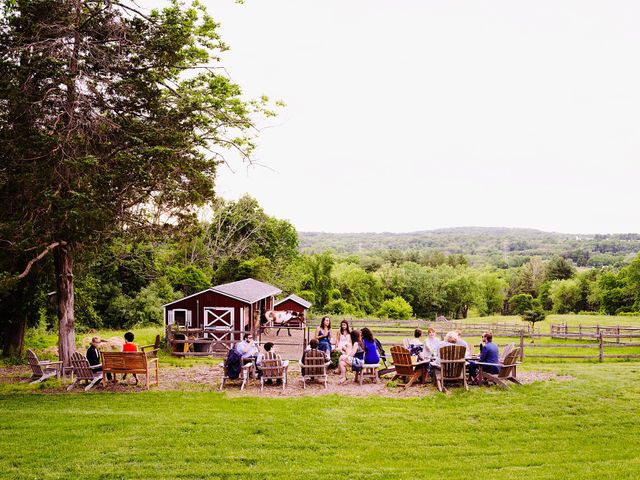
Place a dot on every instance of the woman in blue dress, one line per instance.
(371, 356)
(323, 334)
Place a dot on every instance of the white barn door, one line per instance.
(220, 319)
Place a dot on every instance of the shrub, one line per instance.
(518, 304)
(396, 308)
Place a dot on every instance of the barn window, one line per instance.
(180, 317)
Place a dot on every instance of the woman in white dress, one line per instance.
(343, 337)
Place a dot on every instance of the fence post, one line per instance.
(580, 330)
(601, 347)
(618, 337)
(521, 346)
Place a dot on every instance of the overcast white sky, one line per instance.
(413, 115)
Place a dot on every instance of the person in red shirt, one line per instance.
(129, 346)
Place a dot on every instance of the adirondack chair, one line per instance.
(314, 366)
(152, 350)
(82, 371)
(451, 367)
(405, 367)
(507, 370)
(507, 349)
(246, 373)
(273, 368)
(41, 370)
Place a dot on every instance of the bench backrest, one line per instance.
(452, 361)
(402, 361)
(315, 363)
(124, 362)
(36, 368)
(271, 366)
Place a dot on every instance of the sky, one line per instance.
(413, 115)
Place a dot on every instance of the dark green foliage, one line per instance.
(520, 303)
(559, 268)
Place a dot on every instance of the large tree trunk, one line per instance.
(63, 260)
(13, 338)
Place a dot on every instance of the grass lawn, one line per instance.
(586, 428)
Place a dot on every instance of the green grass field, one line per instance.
(586, 428)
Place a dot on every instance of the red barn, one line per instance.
(226, 310)
(296, 304)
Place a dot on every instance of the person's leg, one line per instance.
(342, 368)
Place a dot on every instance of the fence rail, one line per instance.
(466, 328)
(562, 330)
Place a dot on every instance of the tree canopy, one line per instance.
(112, 122)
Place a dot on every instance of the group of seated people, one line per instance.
(93, 353)
(352, 349)
(431, 349)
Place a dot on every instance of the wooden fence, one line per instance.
(405, 327)
(580, 332)
(600, 342)
(392, 331)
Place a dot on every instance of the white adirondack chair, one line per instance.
(41, 370)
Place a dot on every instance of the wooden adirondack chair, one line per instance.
(405, 367)
(246, 373)
(314, 366)
(83, 371)
(41, 370)
(451, 367)
(152, 350)
(273, 368)
(507, 349)
(507, 370)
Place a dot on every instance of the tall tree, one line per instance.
(112, 120)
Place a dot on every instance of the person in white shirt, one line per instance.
(432, 342)
(247, 347)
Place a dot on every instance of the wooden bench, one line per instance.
(369, 371)
(130, 362)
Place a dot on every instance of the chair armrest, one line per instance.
(47, 362)
(490, 364)
(285, 363)
(95, 366)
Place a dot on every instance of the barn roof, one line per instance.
(294, 298)
(248, 290)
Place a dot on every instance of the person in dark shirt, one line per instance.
(93, 355)
(488, 354)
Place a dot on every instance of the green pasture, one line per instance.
(583, 428)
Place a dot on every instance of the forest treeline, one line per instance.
(126, 283)
(499, 247)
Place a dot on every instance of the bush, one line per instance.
(535, 315)
(396, 308)
(518, 304)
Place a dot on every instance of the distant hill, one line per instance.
(493, 245)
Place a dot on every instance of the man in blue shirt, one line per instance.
(488, 354)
